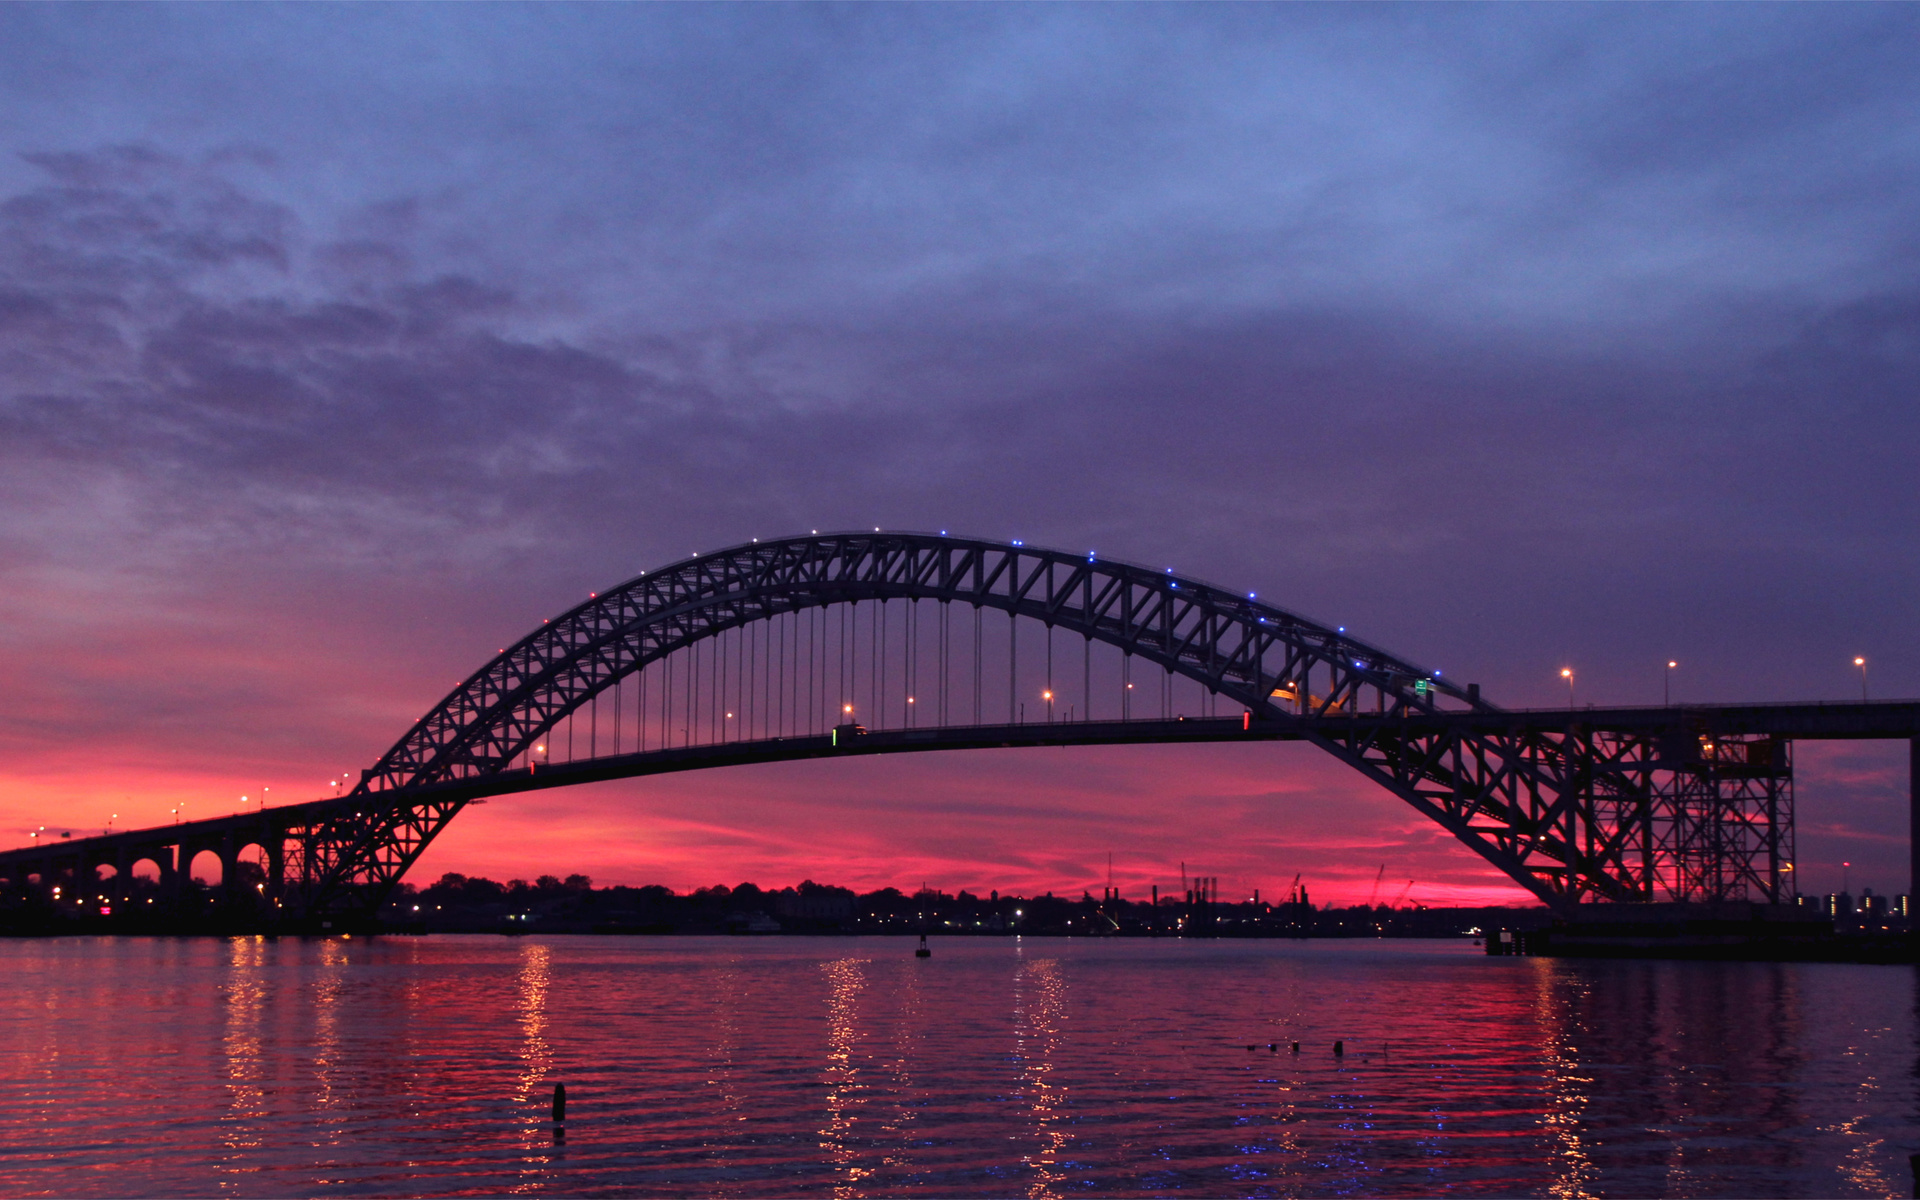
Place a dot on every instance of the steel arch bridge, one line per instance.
(781, 649)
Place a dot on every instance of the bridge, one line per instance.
(851, 644)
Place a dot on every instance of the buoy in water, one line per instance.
(1339, 1047)
(923, 952)
(559, 1102)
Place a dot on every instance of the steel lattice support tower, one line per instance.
(1722, 824)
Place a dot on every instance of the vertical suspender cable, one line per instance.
(1086, 678)
(976, 664)
(1013, 663)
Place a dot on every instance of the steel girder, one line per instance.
(1564, 814)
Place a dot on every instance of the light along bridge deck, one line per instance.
(175, 845)
(1881, 720)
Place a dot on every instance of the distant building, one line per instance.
(756, 922)
(791, 906)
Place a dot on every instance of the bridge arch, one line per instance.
(1511, 795)
(1259, 656)
(1627, 807)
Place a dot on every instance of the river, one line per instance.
(997, 1067)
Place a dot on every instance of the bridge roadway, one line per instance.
(173, 847)
(262, 827)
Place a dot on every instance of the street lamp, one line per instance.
(1862, 664)
(1566, 673)
(1666, 689)
(1048, 697)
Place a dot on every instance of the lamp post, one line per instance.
(1666, 683)
(1862, 664)
(1566, 673)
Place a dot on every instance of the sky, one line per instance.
(340, 345)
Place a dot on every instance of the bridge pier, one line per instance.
(170, 875)
(276, 844)
(229, 868)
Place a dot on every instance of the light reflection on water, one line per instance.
(842, 1075)
(747, 1067)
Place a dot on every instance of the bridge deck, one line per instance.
(683, 758)
(1864, 720)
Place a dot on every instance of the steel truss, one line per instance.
(1568, 812)
(1723, 821)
